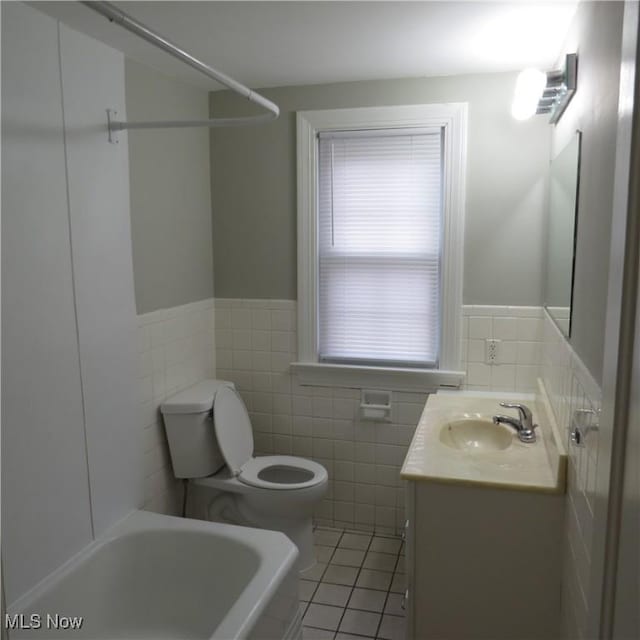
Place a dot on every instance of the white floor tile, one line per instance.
(307, 587)
(315, 572)
(348, 636)
(399, 583)
(355, 541)
(338, 574)
(392, 628)
(323, 554)
(394, 605)
(380, 561)
(370, 579)
(361, 622)
(385, 545)
(310, 633)
(322, 616)
(367, 599)
(348, 557)
(333, 594)
(326, 537)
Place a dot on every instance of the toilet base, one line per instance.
(226, 508)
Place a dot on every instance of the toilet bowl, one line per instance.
(211, 443)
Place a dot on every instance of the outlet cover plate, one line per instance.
(492, 351)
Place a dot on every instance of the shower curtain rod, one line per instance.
(114, 14)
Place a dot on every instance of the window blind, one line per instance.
(379, 246)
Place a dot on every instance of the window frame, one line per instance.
(452, 118)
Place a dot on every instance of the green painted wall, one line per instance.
(253, 185)
(170, 192)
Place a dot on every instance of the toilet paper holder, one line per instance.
(375, 405)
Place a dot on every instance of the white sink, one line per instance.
(457, 442)
(475, 434)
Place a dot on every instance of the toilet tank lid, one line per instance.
(195, 399)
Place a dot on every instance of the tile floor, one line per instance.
(356, 588)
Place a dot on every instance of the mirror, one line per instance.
(561, 226)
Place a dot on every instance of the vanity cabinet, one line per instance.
(482, 563)
(484, 535)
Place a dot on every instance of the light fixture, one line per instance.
(539, 92)
(529, 88)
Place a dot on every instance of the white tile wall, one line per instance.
(562, 317)
(256, 341)
(571, 388)
(520, 332)
(175, 350)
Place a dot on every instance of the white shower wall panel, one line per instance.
(46, 516)
(72, 452)
(93, 79)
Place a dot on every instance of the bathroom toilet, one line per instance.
(211, 444)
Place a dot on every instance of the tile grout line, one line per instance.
(321, 575)
(387, 592)
(335, 548)
(353, 587)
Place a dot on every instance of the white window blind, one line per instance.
(379, 246)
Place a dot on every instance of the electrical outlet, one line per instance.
(492, 351)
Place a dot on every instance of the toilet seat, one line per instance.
(233, 428)
(235, 438)
(255, 467)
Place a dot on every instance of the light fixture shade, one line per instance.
(521, 110)
(529, 88)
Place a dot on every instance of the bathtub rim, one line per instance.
(277, 553)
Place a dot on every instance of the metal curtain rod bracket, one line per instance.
(114, 14)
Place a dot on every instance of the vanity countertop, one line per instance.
(538, 466)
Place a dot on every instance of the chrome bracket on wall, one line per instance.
(113, 132)
(115, 15)
(584, 422)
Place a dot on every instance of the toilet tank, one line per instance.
(188, 422)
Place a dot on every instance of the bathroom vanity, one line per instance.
(484, 521)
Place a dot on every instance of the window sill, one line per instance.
(388, 378)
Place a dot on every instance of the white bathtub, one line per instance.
(162, 578)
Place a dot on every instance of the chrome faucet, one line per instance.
(524, 426)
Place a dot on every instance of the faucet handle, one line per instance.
(526, 418)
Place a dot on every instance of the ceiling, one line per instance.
(265, 44)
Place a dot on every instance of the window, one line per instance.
(380, 203)
(379, 244)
